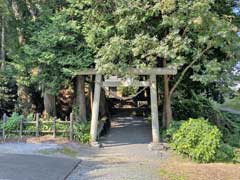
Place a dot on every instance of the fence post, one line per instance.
(71, 127)
(37, 124)
(4, 122)
(54, 127)
(21, 128)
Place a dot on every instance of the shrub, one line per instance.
(228, 123)
(225, 153)
(230, 127)
(236, 158)
(173, 128)
(12, 123)
(81, 132)
(197, 139)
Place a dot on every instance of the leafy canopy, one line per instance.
(57, 49)
(143, 33)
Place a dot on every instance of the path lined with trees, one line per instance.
(46, 45)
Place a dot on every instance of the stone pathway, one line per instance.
(124, 156)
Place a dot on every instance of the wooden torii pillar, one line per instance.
(152, 83)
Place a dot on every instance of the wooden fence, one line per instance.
(36, 123)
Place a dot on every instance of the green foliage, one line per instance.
(230, 127)
(55, 49)
(195, 106)
(228, 123)
(142, 33)
(197, 139)
(12, 123)
(225, 153)
(47, 126)
(174, 127)
(81, 132)
(236, 156)
(128, 91)
(228, 150)
(7, 91)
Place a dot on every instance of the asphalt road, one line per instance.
(35, 167)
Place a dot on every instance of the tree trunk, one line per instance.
(80, 100)
(168, 112)
(25, 100)
(31, 9)
(103, 104)
(3, 43)
(49, 104)
(167, 109)
(18, 16)
(91, 91)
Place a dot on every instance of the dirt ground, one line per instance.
(177, 168)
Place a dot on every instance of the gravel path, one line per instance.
(124, 155)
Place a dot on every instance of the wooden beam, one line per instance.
(153, 71)
(117, 83)
(86, 72)
(149, 71)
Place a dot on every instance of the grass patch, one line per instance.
(65, 151)
(171, 176)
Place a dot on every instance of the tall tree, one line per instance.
(57, 49)
(194, 36)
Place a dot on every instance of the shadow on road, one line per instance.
(128, 131)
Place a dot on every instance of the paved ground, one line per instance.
(29, 161)
(35, 167)
(26, 148)
(125, 155)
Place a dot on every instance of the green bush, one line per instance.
(228, 123)
(173, 128)
(81, 132)
(225, 153)
(12, 123)
(197, 139)
(230, 127)
(236, 158)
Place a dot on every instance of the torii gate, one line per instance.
(151, 82)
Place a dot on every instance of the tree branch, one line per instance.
(186, 69)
